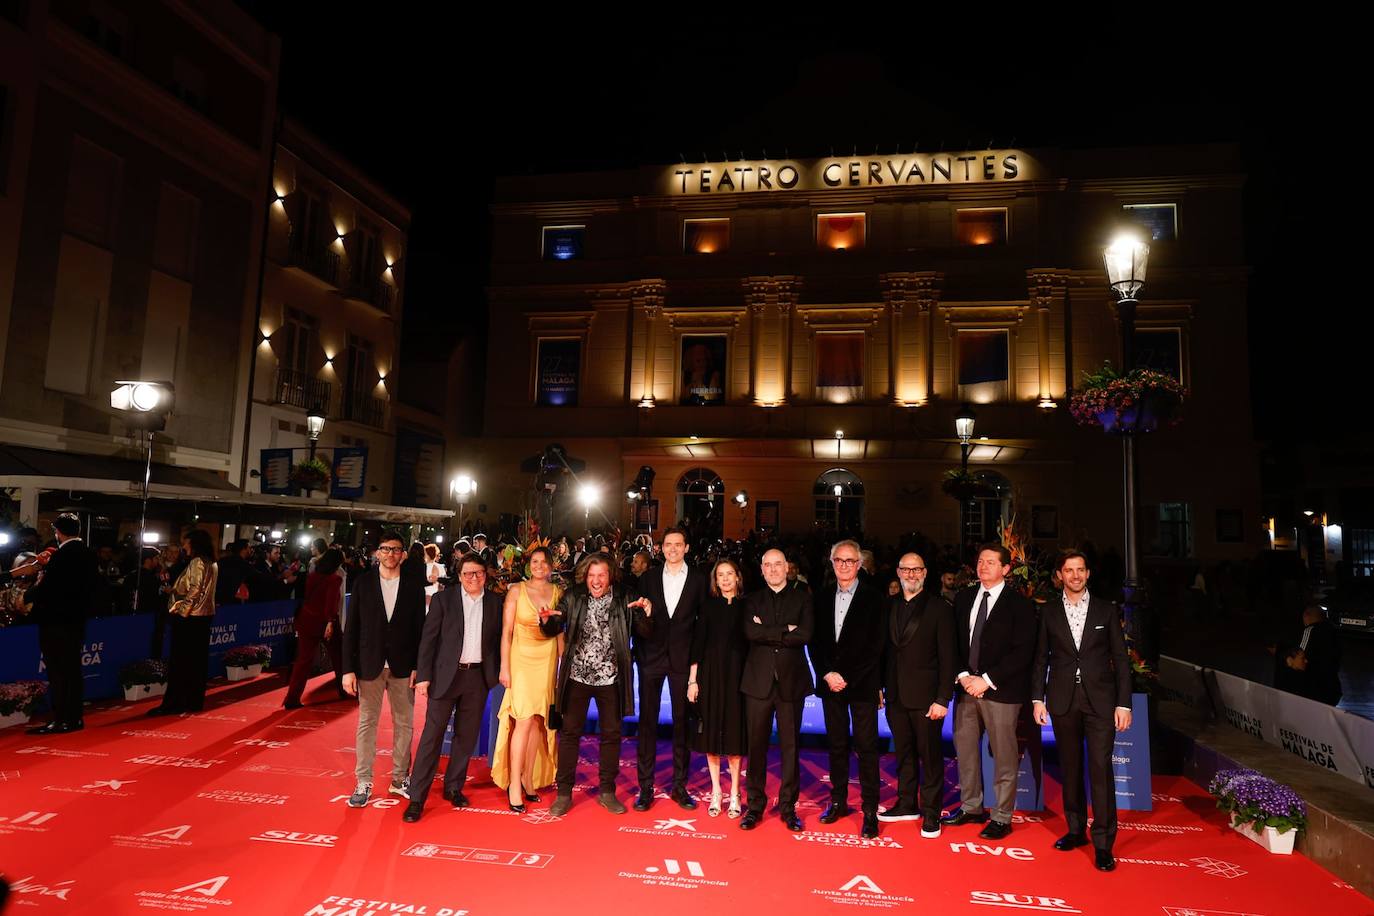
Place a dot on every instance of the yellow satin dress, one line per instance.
(533, 666)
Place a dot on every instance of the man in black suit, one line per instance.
(1316, 660)
(381, 643)
(846, 650)
(778, 623)
(677, 593)
(459, 663)
(64, 596)
(1088, 695)
(919, 685)
(996, 642)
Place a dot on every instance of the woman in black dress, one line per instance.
(718, 649)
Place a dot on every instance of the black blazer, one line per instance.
(441, 641)
(70, 589)
(1008, 642)
(370, 641)
(857, 655)
(1106, 669)
(669, 647)
(776, 653)
(921, 655)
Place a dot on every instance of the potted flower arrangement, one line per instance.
(963, 485)
(244, 662)
(311, 474)
(1267, 812)
(18, 700)
(1136, 401)
(144, 678)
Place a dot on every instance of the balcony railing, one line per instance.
(300, 389)
(365, 409)
(321, 262)
(377, 293)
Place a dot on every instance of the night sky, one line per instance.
(434, 113)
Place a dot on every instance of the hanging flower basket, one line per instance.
(1137, 402)
(312, 474)
(964, 486)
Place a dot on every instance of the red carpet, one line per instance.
(241, 810)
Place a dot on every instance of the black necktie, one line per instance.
(977, 641)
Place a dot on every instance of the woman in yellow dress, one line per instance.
(525, 756)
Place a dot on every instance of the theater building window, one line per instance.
(1160, 349)
(1160, 220)
(703, 370)
(839, 366)
(562, 243)
(981, 226)
(983, 365)
(841, 231)
(839, 501)
(705, 236)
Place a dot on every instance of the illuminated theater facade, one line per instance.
(807, 332)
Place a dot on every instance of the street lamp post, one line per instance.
(963, 428)
(314, 425)
(147, 405)
(462, 487)
(742, 500)
(1126, 259)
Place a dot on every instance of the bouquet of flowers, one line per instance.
(243, 656)
(21, 696)
(143, 671)
(1136, 400)
(1252, 798)
(311, 474)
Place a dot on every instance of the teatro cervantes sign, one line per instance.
(871, 172)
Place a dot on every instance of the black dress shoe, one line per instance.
(869, 831)
(791, 821)
(448, 795)
(962, 817)
(459, 800)
(65, 727)
(1105, 862)
(48, 729)
(684, 801)
(413, 812)
(291, 704)
(1070, 841)
(995, 831)
(645, 799)
(749, 821)
(834, 811)
(162, 711)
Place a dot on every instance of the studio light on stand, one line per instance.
(146, 406)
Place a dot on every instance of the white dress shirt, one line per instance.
(843, 598)
(472, 629)
(673, 584)
(994, 593)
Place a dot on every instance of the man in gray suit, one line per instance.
(460, 661)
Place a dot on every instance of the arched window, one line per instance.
(701, 503)
(839, 501)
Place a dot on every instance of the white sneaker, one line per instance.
(400, 787)
(361, 793)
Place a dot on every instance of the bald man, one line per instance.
(778, 622)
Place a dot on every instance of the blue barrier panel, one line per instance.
(267, 623)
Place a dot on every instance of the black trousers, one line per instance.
(1074, 729)
(464, 703)
(60, 644)
(576, 700)
(758, 716)
(838, 713)
(650, 693)
(916, 738)
(188, 664)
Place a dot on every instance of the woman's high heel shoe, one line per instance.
(518, 809)
(734, 807)
(529, 796)
(714, 810)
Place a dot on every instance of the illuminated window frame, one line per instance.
(1006, 226)
(1158, 205)
(544, 237)
(858, 214)
(717, 220)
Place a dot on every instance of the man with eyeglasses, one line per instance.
(846, 650)
(459, 664)
(386, 613)
(919, 684)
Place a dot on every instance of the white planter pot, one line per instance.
(1277, 843)
(144, 691)
(235, 673)
(14, 718)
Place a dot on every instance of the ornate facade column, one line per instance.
(759, 292)
(1046, 288)
(649, 296)
(905, 293)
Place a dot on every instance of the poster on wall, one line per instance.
(276, 471)
(349, 480)
(557, 371)
(703, 370)
(766, 514)
(1044, 521)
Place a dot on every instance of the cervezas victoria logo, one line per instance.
(164, 760)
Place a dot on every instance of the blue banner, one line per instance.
(349, 480)
(113, 642)
(276, 472)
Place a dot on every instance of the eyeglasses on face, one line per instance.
(391, 550)
(845, 561)
(474, 574)
(911, 569)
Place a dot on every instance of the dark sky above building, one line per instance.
(436, 109)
